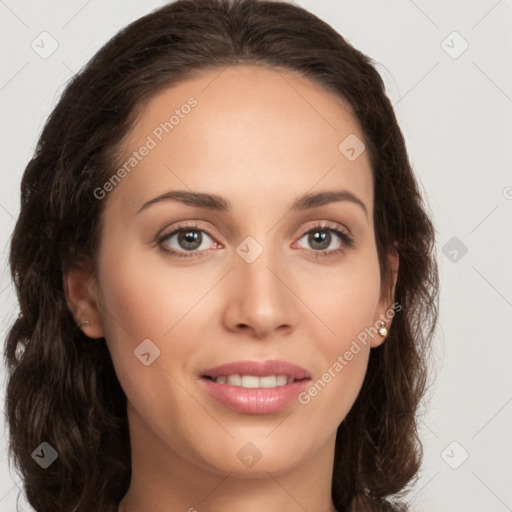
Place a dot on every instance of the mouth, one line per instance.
(253, 387)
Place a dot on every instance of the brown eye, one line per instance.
(185, 240)
(319, 239)
(190, 240)
(325, 240)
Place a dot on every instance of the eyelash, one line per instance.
(347, 240)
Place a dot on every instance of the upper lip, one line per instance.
(258, 369)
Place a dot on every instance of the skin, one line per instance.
(259, 138)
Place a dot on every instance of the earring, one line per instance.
(382, 330)
(84, 322)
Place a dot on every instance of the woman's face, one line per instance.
(276, 263)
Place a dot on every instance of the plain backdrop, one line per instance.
(446, 65)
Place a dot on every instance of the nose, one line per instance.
(260, 298)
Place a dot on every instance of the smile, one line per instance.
(255, 387)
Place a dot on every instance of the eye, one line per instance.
(326, 240)
(186, 241)
(189, 241)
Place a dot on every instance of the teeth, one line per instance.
(269, 381)
(235, 380)
(250, 381)
(283, 379)
(253, 381)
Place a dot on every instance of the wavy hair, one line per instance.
(62, 388)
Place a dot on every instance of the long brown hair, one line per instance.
(62, 388)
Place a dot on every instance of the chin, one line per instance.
(247, 461)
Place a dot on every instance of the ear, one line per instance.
(82, 299)
(385, 310)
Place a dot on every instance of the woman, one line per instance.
(225, 273)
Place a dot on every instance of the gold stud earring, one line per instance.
(382, 330)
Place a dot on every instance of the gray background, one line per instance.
(454, 108)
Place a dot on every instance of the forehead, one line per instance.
(260, 131)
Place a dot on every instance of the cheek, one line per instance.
(141, 301)
(347, 304)
(345, 299)
(334, 389)
(170, 307)
(143, 297)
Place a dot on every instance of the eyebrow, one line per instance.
(218, 203)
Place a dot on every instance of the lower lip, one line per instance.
(255, 400)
